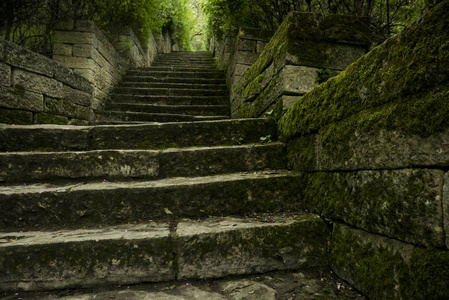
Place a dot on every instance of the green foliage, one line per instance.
(30, 22)
(388, 17)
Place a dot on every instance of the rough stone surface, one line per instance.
(210, 251)
(121, 255)
(5, 74)
(17, 98)
(385, 268)
(446, 207)
(375, 149)
(98, 202)
(403, 204)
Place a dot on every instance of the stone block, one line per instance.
(246, 45)
(239, 69)
(207, 250)
(13, 116)
(296, 80)
(260, 46)
(89, 74)
(446, 207)
(85, 26)
(61, 107)
(2, 50)
(384, 268)
(76, 62)
(37, 83)
(19, 57)
(245, 58)
(72, 79)
(77, 122)
(369, 149)
(255, 33)
(44, 118)
(83, 50)
(288, 101)
(77, 96)
(18, 98)
(70, 37)
(402, 204)
(5, 74)
(62, 49)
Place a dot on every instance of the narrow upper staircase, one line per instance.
(163, 186)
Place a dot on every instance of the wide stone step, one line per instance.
(27, 167)
(170, 91)
(148, 79)
(212, 74)
(198, 110)
(146, 136)
(105, 117)
(178, 85)
(43, 206)
(170, 100)
(152, 252)
(179, 67)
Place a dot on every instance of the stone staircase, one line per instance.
(164, 186)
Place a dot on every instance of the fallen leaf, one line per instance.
(252, 292)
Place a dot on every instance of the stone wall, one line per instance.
(306, 50)
(36, 90)
(81, 46)
(372, 144)
(249, 43)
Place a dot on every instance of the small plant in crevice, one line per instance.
(323, 75)
(266, 139)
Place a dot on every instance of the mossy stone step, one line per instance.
(203, 110)
(179, 85)
(149, 79)
(42, 206)
(145, 136)
(170, 91)
(169, 100)
(128, 254)
(27, 167)
(203, 74)
(132, 116)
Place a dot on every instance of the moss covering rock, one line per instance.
(401, 84)
(385, 268)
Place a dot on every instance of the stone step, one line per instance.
(167, 66)
(169, 79)
(44, 206)
(153, 252)
(170, 100)
(198, 110)
(186, 85)
(145, 136)
(170, 91)
(105, 117)
(27, 167)
(204, 74)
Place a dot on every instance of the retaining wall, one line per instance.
(37, 90)
(372, 145)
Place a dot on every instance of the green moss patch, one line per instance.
(401, 84)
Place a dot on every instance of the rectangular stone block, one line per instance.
(2, 50)
(246, 45)
(86, 258)
(260, 46)
(18, 98)
(77, 96)
(72, 79)
(83, 50)
(5, 74)
(62, 49)
(296, 80)
(64, 25)
(19, 57)
(384, 268)
(44, 118)
(240, 69)
(446, 207)
(402, 204)
(76, 62)
(245, 58)
(13, 116)
(37, 83)
(206, 250)
(71, 37)
(61, 107)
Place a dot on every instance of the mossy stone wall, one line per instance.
(306, 50)
(372, 143)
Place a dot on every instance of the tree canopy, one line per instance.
(387, 16)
